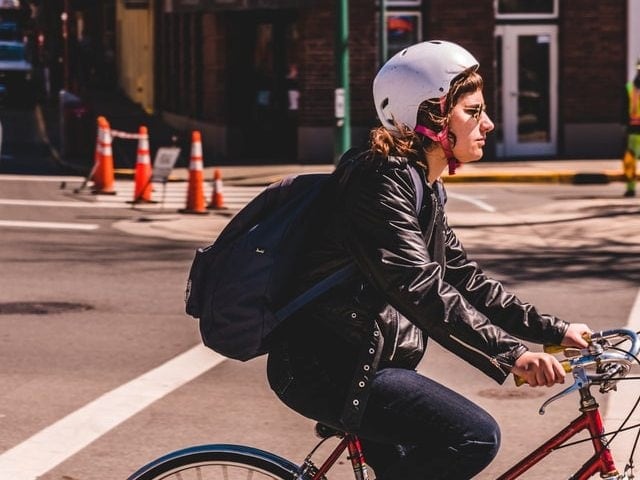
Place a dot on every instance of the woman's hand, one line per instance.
(575, 335)
(539, 369)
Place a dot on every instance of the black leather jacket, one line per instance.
(415, 282)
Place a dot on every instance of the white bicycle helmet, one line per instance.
(420, 72)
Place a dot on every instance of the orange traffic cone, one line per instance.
(103, 177)
(217, 198)
(195, 195)
(98, 153)
(143, 189)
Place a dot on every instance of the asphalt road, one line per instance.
(90, 306)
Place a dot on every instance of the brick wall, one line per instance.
(470, 24)
(592, 60)
(318, 68)
(213, 68)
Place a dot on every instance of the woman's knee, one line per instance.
(480, 445)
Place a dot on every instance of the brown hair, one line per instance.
(404, 141)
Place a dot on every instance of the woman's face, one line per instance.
(470, 124)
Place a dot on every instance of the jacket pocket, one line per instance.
(279, 371)
(403, 341)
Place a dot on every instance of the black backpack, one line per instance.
(237, 285)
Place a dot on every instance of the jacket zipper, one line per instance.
(491, 359)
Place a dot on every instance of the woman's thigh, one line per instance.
(406, 407)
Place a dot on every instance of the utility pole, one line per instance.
(342, 92)
(383, 31)
(64, 17)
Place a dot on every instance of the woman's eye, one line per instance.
(475, 112)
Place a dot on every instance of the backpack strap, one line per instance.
(416, 176)
(318, 289)
(347, 271)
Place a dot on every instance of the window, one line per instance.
(526, 9)
(402, 3)
(403, 29)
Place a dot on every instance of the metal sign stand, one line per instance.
(165, 160)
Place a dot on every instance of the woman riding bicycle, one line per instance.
(348, 359)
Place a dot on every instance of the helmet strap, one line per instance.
(453, 164)
(441, 137)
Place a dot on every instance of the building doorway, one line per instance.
(526, 90)
(262, 85)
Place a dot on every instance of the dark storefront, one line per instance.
(259, 77)
(238, 66)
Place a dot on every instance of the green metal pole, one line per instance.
(383, 32)
(342, 92)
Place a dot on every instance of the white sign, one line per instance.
(166, 158)
(339, 102)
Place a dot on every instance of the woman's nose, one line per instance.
(485, 123)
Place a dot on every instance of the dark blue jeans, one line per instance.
(412, 429)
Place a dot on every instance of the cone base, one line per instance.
(197, 212)
(142, 200)
(104, 192)
(216, 207)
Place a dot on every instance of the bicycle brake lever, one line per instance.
(581, 380)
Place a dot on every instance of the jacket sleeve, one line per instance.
(384, 235)
(489, 297)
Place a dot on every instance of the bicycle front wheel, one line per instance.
(218, 462)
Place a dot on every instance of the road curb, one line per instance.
(574, 178)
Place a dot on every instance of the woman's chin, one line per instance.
(471, 159)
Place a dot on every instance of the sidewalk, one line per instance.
(204, 228)
(595, 171)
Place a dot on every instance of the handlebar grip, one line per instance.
(553, 349)
(566, 366)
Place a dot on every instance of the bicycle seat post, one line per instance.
(356, 455)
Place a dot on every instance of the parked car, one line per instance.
(16, 74)
(9, 30)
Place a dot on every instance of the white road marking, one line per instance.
(48, 225)
(59, 441)
(17, 202)
(174, 197)
(39, 178)
(472, 200)
(621, 402)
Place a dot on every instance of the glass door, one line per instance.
(526, 93)
(263, 85)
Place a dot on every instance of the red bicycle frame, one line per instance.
(590, 419)
(601, 462)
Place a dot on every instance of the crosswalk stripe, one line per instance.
(48, 225)
(172, 197)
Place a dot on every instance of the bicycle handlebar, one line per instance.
(610, 365)
(600, 350)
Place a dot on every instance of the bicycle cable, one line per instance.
(629, 466)
(628, 417)
(622, 427)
